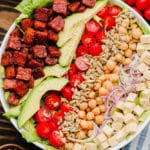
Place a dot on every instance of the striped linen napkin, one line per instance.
(141, 142)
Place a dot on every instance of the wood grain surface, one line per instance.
(8, 134)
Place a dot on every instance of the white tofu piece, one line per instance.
(142, 67)
(118, 117)
(120, 105)
(112, 141)
(131, 97)
(120, 135)
(104, 145)
(145, 38)
(129, 117)
(146, 74)
(145, 57)
(148, 84)
(107, 130)
(146, 94)
(100, 138)
(140, 86)
(78, 147)
(138, 110)
(128, 106)
(116, 126)
(90, 146)
(140, 48)
(131, 127)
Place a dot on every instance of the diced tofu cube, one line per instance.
(128, 106)
(129, 117)
(116, 126)
(146, 94)
(131, 97)
(104, 145)
(148, 84)
(146, 74)
(138, 110)
(146, 57)
(120, 135)
(107, 130)
(142, 67)
(112, 141)
(145, 38)
(131, 127)
(120, 104)
(90, 146)
(140, 86)
(118, 117)
(77, 146)
(140, 49)
(100, 138)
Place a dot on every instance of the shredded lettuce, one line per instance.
(2, 72)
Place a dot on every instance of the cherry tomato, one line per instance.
(137, 10)
(147, 13)
(73, 69)
(142, 4)
(100, 36)
(130, 2)
(57, 138)
(109, 22)
(114, 10)
(104, 12)
(88, 39)
(95, 49)
(52, 101)
(53, 125)
(81, 50)
(58, 117)
(43, 115)
(67, 92)
(76, 79)
(82, 63)
(65, 108)
(43, 129)
(92, 27)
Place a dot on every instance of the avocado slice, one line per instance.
(73, 20)
(32, 103)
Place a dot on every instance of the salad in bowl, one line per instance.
(76, 74)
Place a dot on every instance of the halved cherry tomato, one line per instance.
(100, 36)
(142, 4)
(76, 79)
(81, 50)
(73, 69)
(109, 22)
(130, 2)
(67, 92)
(95, 49)
(52, 101)
(114, 10)
(57, 138)
(147, 13)
(103, 13)
(82, 63)
(53, 125)
(43, 115)
(65, 108)
(43, 129)
(88, 39)
(58, 117)
(92, 27)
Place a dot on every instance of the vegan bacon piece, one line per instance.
(38, 72)
(60, 7)
(39, 51)
(9, 84)
(6, 58)
(13, 99)
(57, 24)
(34, 63)
(29, 36)
(10, 72)
(15, 32)
(52, 36)
(89, 3)
(50, 60)
(14, 43)
(39, 25)
(81, 8)
(54, 51)
(30, 83)
(24, 73)
(41, 37)
(26, 23)
(73, 7)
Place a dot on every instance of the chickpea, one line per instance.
(91, 94)
(132, 46)
(136, 33)
(92, 103)
(83, 106)
(102, 108)
(97, 86)
(128, 53)
(96, 111)
(127, 61)
(116, 70)
(123, 46)
(88, 109)
(108, 85)
(118, 57)
(103, 91)
(83, 124)
(90, 125)
(111, 64)
(81, 114)
(122, 30)
(69, 146)
(90, 116)
(99, 119)
(126, 22)
(99, 100)
(80, 135)
(90, 132)
(102, 78)
(114, 77)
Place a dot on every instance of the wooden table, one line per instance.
(8, 134)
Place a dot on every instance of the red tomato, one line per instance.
(130, 2)
(104, 12)
(58, 117)
(43, 115)
(67, 92)
(114, 10)
(100, 36)
(142, 4)
(92, 27)
(81, 50)
(82, 63)
(53, 125)
(137, 10)
(95, 49)
(57, 138)
(147, 13)
(43, 129)
(76, 79)
(88, 39)
(73, 69)
(52, 101)
(109, 22)
(65, 108)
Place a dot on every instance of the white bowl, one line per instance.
(6, 106)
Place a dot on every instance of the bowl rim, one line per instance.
(14, 122)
